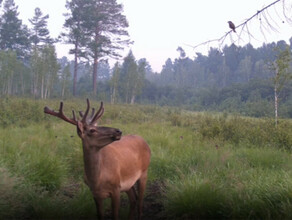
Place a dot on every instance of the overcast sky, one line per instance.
(158, 27)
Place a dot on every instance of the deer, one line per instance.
(112, 163)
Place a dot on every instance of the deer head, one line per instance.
(87, 128)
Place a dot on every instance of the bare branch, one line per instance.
(267, 24)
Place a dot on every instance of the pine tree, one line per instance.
(105, 25)
(13, 34)
(74, 33)
(40, 30)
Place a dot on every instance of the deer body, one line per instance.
(117, 166)
(112, 163)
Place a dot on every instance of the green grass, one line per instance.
(206, 165)
(233, 183)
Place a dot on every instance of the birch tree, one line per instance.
(282, 73)
(114, 83)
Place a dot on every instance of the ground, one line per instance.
(152, 203)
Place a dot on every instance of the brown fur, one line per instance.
(116, 168)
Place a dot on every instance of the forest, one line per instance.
(233, 79)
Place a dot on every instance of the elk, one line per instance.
(112, 163)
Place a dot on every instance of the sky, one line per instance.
(159, 27)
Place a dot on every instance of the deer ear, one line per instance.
(80, 129)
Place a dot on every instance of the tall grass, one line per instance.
(233, 183)
(206, 165)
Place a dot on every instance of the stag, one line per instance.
(113, 163)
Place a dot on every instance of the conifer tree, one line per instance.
(105, 25)
(74, 33)
(13, 34)
(40, 32)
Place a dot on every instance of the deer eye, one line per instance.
(92, 130)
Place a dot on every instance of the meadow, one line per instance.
(203, 165)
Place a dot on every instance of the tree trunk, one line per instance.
(94, 75)
(35, 85)
(133, 99)
(276, 105)
(63, 89)
(46, 90)
(42, 88)
(276, 92)
(9, 90)
(22, 83)
(113, 95)
(75, 69)
(95, 62)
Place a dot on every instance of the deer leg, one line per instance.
(115, 204)
(99, 208)
(141, 188)
(132, 197)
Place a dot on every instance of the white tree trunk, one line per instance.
(42, 88)
(113, 95)
(133, 99)
(276, 106)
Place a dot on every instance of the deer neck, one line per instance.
(92, 163)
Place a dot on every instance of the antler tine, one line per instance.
(81, 114)
(60, 114)
(98, 114)
(86, 112)
(88, 119)
(92, 112)
(91, 115)
(74, 117)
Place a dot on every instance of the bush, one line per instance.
(19, 112)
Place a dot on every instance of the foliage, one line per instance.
(41, 33)
(9, 71)
(20, 112)
(98, 28)
(45, 69)
(131, 78)
(282, 73)
(13, 35)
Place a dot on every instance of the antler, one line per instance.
(98, 114)
(60, 114)
(83, 120)
(91, 120)
(93, 117)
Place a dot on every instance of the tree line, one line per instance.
(252, 81)
(96, 30)
(236, 78)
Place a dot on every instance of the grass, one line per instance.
(205, 165)
(233, 183)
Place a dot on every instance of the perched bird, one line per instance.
(232, 26)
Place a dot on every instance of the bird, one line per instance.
(231, 25)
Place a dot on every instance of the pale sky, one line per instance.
(158, 27)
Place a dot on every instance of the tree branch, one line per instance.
(267, 23)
